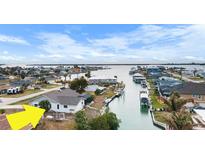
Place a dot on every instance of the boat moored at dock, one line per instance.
(138, 78)
(144, 98)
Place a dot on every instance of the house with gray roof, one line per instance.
(190, 90)
(66, 100)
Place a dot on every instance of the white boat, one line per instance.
(144, 84)
(144, 98)
(133, 70)
(138, 78)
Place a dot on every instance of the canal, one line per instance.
(127, 107)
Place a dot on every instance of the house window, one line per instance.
(36, 105)
(65, 106)
(71, 109)
(197, 96)
(58, 106)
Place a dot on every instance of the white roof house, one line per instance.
(67, 101)
(201, 113)
(102, 80)
(93, 88)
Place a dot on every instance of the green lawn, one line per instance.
(26, 92)
(156, 103)
(109, 93)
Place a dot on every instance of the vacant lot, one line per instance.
(57, 125)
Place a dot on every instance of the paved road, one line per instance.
(7, 101)
(185, 78)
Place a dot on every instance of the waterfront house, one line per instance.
(65, 100)
(193, 91)
(102, 80)
(166, 84)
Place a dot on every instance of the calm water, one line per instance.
(127, 107)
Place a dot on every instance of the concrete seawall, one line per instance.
(157, 123)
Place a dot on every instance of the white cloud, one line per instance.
(147, 43)
(12, 39)
(10, 58)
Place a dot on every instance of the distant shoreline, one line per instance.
(108, 64)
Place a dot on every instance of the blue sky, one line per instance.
(101, 43)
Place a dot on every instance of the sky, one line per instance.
(103, 44)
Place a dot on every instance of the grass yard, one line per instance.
(156, 103)
(26, 92)
(50, 86)
(196, 79)
(109, 93)
(90, 93)
(159, 116)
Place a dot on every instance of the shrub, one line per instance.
(81, 121)
(45, 105)
(97, 92)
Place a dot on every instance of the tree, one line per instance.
(2, 111)
(98, 91)
(180, 73)
(22, 75)
(45, 104)
(79, 84)
(179, 120)
(194, 72)
(88, 74)
(89, 99)
(175, 103)
(65, 76)
(112, 120)
(107, 121)
(81, 121)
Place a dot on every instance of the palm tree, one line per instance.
(65, 76)
(179, 120)
(180, 73)
(175, 103)
(195, 71)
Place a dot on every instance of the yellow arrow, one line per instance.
(31, 115)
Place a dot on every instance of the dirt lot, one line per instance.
(98, 102)
(47, 124)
